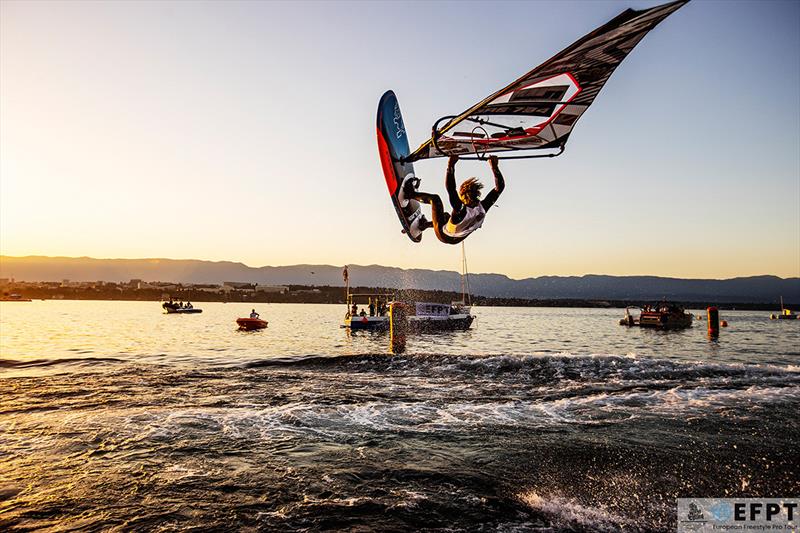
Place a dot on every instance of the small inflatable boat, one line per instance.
(249, 324)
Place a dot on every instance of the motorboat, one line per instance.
(660, 316)
(251, 324)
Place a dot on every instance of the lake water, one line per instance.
(114, 415)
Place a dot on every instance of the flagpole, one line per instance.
(346, 276)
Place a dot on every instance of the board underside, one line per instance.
(393, 147)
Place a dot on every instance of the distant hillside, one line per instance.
(757, 289)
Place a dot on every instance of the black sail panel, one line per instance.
(539, 110)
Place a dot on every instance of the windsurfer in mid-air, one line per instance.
(468, 208)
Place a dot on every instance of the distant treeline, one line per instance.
(337, 295)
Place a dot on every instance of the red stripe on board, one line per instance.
(386, 163)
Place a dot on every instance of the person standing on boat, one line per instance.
(371, 307)
(468, 211)
(253, 314)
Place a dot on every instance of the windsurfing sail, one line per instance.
(539, 110)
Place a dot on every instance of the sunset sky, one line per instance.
(245, 131)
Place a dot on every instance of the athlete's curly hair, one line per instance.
(470, 191)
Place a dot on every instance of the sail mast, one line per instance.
(465, 289)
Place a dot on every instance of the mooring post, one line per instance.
(713, 321)
(398, 326)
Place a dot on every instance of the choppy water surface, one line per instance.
(113, 415)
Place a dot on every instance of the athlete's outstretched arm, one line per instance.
(499, 185)
(450, 183)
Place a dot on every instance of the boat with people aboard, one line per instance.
(179, 308)
(368, 311)
(663, 315)
(371, 311)
(251, 324)
(373, 315)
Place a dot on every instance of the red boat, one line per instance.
(250, 324)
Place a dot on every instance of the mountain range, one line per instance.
(753, 289)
